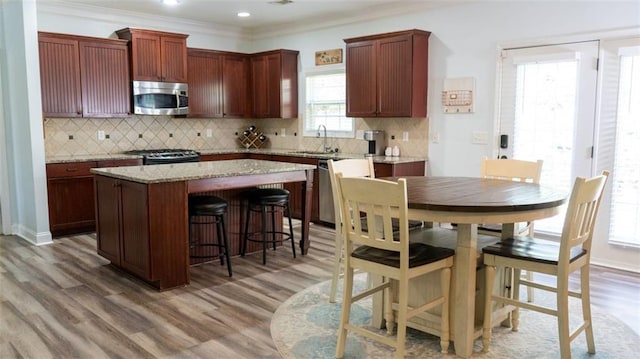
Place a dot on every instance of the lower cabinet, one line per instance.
(71, 196)
(296, 188)
(70, 193)
(417, 168)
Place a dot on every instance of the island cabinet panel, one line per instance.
(83, 76)
(70, 197)
(218, 84)
(274, 84)
(387, 74)
(142, 228)
(156, 56)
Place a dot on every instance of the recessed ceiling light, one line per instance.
(170, 2)
(243, 14)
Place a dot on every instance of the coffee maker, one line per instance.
(376, 142)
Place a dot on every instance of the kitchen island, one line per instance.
(142, 211)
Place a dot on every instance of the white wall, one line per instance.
(25, 160)
(464, 43)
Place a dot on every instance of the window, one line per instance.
(325, 104)
(625, 196)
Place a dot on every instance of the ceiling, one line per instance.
(265, 14)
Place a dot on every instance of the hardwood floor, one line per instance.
(63, 300)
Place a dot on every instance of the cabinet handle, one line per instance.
(71, 169)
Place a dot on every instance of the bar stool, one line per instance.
(215, 208)
(266, 200)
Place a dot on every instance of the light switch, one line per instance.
(480, 138)
(209, 132)
(101, 135)
(405, 136)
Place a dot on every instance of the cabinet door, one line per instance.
(67, 216)
(173, 52)
(259, 88)
(205, 84)
(59, 77)
(145, 54)
(394, 63)
(235, 86)
(108, 218)
(361, 79)
(135, 229)
(104, 70)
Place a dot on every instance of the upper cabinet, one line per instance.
(387, 74)
(156, 56)
(83, 76)
(218, 83)
(274, 84)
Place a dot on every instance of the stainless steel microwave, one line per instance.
(160, 98)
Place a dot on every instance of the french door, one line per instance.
(547, 112)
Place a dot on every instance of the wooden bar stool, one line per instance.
(268, 200)
(214, 208)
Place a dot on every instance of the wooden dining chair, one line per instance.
(356, 167)
(390, 256)
(512, 170)
(572, 253)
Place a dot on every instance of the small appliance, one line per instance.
(376, 142)
(160, 98)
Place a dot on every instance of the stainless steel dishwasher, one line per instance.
(325, 201)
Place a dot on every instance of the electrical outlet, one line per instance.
(405, 136)
(360, 135)
(435, 137)
(101, 135)
(209, 132)
(283, 132)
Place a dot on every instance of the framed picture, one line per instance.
(329, 57)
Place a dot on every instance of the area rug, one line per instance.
(305, 327)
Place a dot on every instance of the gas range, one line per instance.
(166, 155)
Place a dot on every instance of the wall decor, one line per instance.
(457, 95)
(328, 57)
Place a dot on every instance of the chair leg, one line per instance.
(225, 243)
(445, 287)
(388, 299)
(346, 312)
(562, 299)
(293, 241)
(264, 234)
(246, 231)
(487, 325)
(515, 314)
(529, 276)
(273, 227)
(586, 308)
(337, 261)
(403, 304)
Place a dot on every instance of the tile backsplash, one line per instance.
(80, 136)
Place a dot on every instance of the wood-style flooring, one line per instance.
(65, 301)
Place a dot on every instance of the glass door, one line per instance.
(547, 110)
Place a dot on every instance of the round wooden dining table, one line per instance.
(468, 202)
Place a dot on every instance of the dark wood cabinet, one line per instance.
(295, 189)
(71, 195)
(83, 76)
(417, 168)
(155, 55)
(218, 84)
(274, 84)
(123, 205)
(387, 74)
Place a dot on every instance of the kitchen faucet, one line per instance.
(325, 147)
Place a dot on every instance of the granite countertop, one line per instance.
(270, 151)
(198, 170)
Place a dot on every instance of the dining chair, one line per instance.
(388, 255)
(356, 167)
(512, 170)
(558, 259)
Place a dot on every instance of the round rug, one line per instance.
(305, 327)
